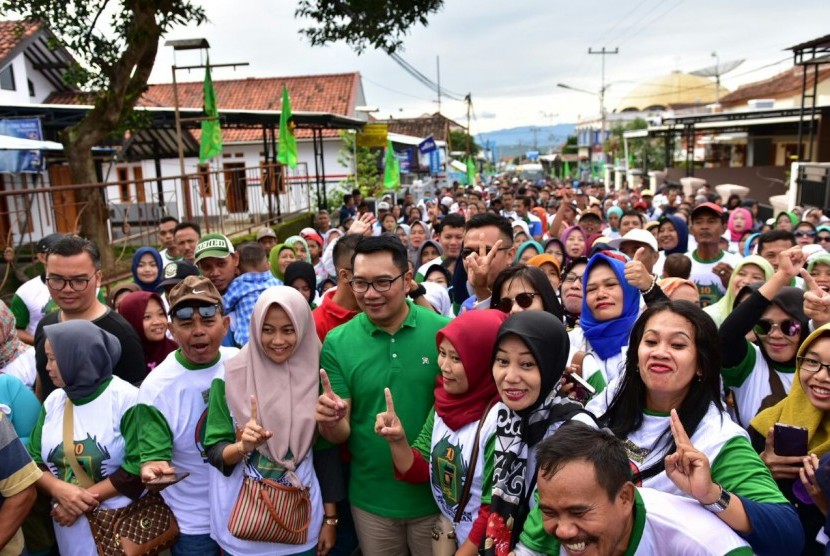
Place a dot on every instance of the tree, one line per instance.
(458, 142)
(368, 164)
(647, 153)
(363, 23)
(113, 66)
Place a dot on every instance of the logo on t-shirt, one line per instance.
(448, 470)
(90, 456)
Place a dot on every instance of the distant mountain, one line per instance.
(543, 136)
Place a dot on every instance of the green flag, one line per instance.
(211, 131)
(471, 171)
(287, 148)
(566, 170)
(392, 172)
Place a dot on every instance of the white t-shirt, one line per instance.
(35, 295)
(23, 367)
(709, 285)
(181, 396)
(98, 441)
(749, 380)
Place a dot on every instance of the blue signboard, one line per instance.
(17, 162)
(427, 145)
(435, 162)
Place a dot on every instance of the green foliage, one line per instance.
(369, 178)
(458, 142)
(642, 150)
(98, 34)
(570, 146)
(364, 23)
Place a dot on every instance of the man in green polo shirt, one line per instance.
(391, 344)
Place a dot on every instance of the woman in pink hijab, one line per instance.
(260, 422)
(740, 222)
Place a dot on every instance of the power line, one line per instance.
(376, 84)
(650, 22)
(411, 70)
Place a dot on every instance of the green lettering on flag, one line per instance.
(392, 171)
(287, 148)
(211, 140)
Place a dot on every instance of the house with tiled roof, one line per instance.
(30, 68)
(437, 125)
(783, 89)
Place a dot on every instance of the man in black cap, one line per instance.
(31, 299)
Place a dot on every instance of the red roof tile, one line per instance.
(12, 33)
(331, 93)
(435, 124)
(783, 85)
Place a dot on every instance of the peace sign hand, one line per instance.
(330, 407)
(688, 467)
(387, 423)
(254, 434)
(478, 264)
(816, 301)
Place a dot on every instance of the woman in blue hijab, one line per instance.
(147, 269)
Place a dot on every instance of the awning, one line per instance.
(9, 143)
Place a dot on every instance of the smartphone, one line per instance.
(582, 391)
(789, 440)
(168, 480)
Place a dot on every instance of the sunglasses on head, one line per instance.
(186, 312)
(523, 300)
(788, 327)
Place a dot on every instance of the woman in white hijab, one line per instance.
(266, 400)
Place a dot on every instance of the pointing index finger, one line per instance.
(811, 282)
(324, 380)
(254, 410)
(390, 405)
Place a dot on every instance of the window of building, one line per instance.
(7, 78)
(123, 184)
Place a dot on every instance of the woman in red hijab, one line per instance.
(145, 312)
(443, 453)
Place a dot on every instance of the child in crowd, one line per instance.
(677, 265)
(243, 292)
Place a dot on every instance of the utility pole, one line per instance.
(469, 100)
(604, 52)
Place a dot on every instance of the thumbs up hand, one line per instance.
(387, 423)
(816, 301)
(254, 434)
(636, 273)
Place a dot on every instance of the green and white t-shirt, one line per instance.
(600, 372)
(173, 403)
(29, 304)
(667, 524)
(749, 380)
(709, 285)
(105, 435)
(448, 453)
(223, 491)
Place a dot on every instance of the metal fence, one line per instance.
(232, 200)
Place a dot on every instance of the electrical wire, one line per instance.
(650, 22)
(411, 70)
(376, 84)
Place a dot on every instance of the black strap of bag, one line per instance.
(468, 481)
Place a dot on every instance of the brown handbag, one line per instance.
(145, 527)
(267, 511)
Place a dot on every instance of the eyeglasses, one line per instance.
(467, 251)
(77, 284)
(788, 327)
(803, 233)
(811, 365)
(824, 238)
(360, 285)
(186, 312)
(523, 300)
(572, 277)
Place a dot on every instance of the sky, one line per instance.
(510, 56)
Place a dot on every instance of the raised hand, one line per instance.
(636, 273)
(330, 407)
(387, 423)
(791, 261)
(724, 272)
(781, 467)
(816, 301)
(688, 468)
(362, 225)
(253, 435)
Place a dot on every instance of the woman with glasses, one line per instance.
(805, 233)
(819, 269)
(823, 237)
(524, 288)
(671, 365)
(570, 292)
(760, 374)
(806, 406)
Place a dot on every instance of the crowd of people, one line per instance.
(509, 368)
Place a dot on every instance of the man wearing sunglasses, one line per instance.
(173, 403)
(73, 276)
(390, 344)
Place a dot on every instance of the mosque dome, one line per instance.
(677, 88)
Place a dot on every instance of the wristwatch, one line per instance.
(721, 503)
(332, 520)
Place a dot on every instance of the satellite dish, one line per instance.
(716, 71)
